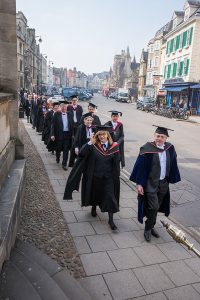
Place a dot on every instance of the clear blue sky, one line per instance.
(88, 33)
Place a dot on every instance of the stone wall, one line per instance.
(8, 47)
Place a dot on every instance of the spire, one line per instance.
(134, 59)
(127, 51)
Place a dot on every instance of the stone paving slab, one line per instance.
(125, 259)
(97, 263)
(174, 251)
(180, 273)
(184, 293)
(153, 279)
(82, 245)
(150, 254)
(81, 229)
(123, 285)
(102, 242)
(97, 287)
(156, 296)
(194, 264)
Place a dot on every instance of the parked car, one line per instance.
(122, 95)
(83, 96)
(145, 103)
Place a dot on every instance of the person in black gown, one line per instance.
(84, 132)
(117, 133)
(92, 109)
(98, 161)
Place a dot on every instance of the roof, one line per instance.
(193, 2)
(179, 13)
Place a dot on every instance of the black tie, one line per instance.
(104, 147)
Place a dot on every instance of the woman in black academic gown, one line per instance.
(84, 132)
(98, 162)
(117, 133)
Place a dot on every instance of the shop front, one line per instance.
(178, 93)
(195, 100)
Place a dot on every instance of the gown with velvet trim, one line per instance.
(100, 177)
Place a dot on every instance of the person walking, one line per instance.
(77, 112)
(84, 133)
(155, 167)
(92, 109)
(98, 162)
(117, 133)
(61, 133)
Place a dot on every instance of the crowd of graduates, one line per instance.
(95, 151)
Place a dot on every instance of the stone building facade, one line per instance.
(124, 71)
(181, 67)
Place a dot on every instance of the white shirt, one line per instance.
(65, 122)
(106, 145)
(88, 132)
(74, 112)
(163, 161)
(114, 124)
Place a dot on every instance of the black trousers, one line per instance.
(73, 155)
(153, 203)
(64, 145)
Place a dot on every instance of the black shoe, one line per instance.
(112, 225)
(147, 235)
(57, 160)
(64, 168)
(93, 211)
(155, 233)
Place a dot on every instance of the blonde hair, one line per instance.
(97, 140)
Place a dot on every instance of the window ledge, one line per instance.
(180, 50)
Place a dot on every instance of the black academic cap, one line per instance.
(56, 103)
(162, 130)
(87, 115)
(64, 101)
(115, 113)
(103, 128)
(73, 96)
(92, 105)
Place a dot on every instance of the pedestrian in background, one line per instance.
(155, 167)
(61, 133)
(98, 162)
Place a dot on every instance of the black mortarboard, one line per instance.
(64, 101)
(115, 113)
(162, 130)
(87, 115)
(73, 96)
(92, 105)
(103, 128)
(55, 103)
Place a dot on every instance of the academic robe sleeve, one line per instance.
(74, 178)
(141, 169)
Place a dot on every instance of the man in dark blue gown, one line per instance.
(155, 167)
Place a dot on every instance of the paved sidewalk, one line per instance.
(122, 265)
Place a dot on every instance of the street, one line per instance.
(138, 130)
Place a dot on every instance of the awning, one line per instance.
(175, 89)
(196, 86)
